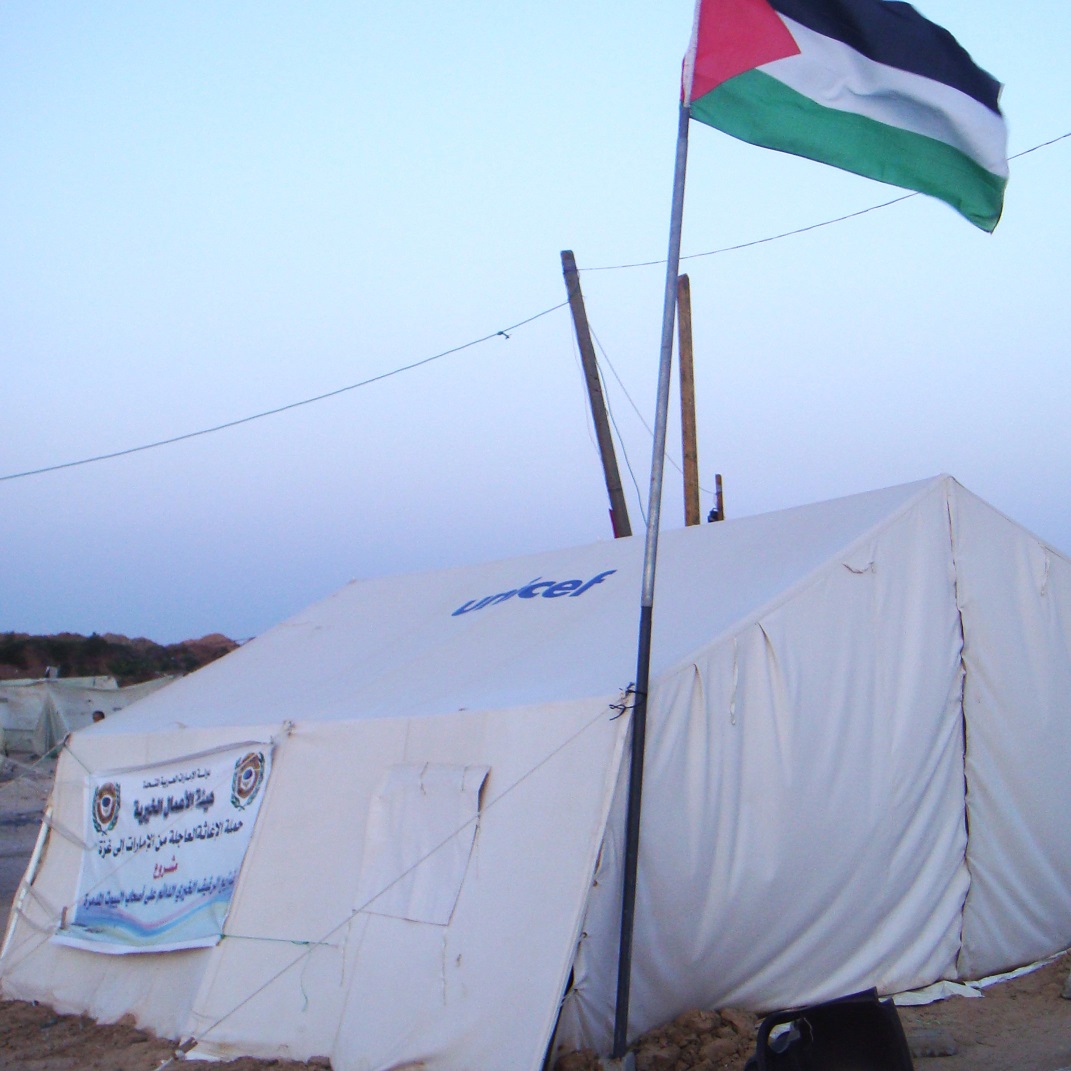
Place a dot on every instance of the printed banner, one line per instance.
(164, 846)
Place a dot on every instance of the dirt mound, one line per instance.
(695, 1041)
(1019, 1025)
(35, 1038)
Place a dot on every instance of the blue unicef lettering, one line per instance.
(537, 587)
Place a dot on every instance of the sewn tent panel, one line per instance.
(286, 933)
(1015, 596)
(389, 991)
(51, 727)
(418, 841)
(22, 705)
(803, 831)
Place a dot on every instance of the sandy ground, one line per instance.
(1020, 1025)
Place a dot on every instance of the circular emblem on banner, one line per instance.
(106, 807)
(248, 777)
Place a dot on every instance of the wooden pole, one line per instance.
(618, 510)
(689, 450)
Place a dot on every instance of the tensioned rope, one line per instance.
(508, 790)
(803, 230)
(620, 439)
(504, 332)
(650, 431)
(621, 443)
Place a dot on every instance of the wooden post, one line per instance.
(618, 510)
(718, 512)
(689, 450)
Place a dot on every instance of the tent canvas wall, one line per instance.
(35, 715)
(26, 704)
(839, 693)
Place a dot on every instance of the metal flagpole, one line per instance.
(650, 556)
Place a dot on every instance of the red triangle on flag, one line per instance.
(733, 36)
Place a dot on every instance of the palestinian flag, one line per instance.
(869, 86)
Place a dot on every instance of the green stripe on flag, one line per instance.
(756, 107)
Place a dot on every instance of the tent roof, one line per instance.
(395, 646)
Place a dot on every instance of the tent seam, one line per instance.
(963, 725)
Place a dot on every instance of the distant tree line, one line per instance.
(129, 661)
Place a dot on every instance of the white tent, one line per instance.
(840, 692)
(36, 714)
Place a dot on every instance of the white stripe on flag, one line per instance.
(832, 74)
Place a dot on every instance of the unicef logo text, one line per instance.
(547, 589)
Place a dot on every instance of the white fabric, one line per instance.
(1015, 596)
(23, 706)
(420, 832)
(806, 794)
(834, 75)
(937, 991)
(802, 832)
(387, 988)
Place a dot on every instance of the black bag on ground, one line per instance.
(856, 1033)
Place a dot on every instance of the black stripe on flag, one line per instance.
(895, 34)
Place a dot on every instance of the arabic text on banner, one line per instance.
(165, 844)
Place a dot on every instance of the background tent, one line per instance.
(839, 692)
(35, 715)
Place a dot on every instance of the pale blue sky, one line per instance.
(211, 210)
